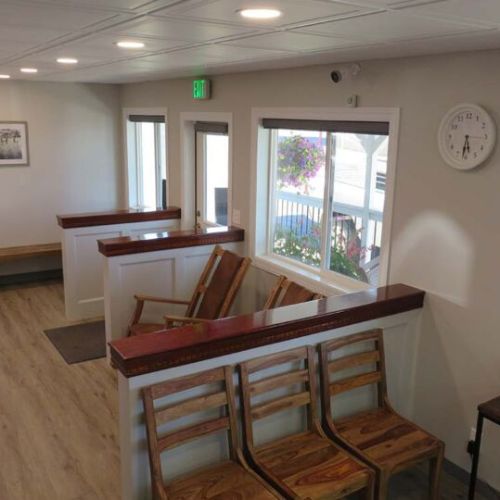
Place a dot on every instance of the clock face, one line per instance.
(466, 136)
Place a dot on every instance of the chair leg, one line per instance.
(382, 487)
(370, 488)
(435, 467)
(475, 457)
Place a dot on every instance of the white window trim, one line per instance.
(188, 160)
(130, 154)
(260, 194)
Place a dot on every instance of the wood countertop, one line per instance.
(89, 219)
(166, 240)
(148, 353)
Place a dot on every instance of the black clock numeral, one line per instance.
(468, 116)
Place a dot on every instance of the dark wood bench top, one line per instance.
(166, 240)
(491, 409)
(189, 344)
(117, 217)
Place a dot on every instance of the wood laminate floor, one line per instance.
(59, 422)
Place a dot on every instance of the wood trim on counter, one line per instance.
(117, 217)
(167, 240)
(156, 351)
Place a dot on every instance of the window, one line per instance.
(327, 193)
(212, 173)
(146, 160)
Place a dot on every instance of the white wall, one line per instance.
(75, 156)
(445, 235)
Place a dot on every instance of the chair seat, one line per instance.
(143, 328)
(386, 438)
(228, 481)
(312, 466)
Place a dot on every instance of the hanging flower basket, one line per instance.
(299, 160)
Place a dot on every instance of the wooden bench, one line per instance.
(25, 251)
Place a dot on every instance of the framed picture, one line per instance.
(13, 143)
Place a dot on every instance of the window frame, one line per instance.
(260, 243)
(133, 172)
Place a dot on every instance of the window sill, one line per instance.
(315, 280)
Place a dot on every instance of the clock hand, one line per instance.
(468, 145)
(464, 148)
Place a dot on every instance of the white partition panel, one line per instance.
(400, 335)
(165, 273)
(82, 263)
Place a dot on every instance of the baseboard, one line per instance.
(483, 488)
(23, 278)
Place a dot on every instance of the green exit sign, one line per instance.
(201, 89)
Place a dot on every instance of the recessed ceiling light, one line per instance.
(29, 70)
(260, 13)
(4, 77)
(129, 44)
(67, 60)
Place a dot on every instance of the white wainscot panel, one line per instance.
(165, 273)
(82, 264)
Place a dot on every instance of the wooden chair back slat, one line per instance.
(219, 282)
(349, 383)
(373, 356)
(280, 404)
(353, 361)
(181, 436)
(271, 383)
(281, 358)
(184, 383)
(190, 406)
(302, 375)
(286, 292)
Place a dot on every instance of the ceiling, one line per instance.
(201, 37)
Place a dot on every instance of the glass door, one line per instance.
(212, 174)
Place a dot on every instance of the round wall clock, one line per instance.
(466, 136)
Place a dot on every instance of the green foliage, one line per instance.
(307, 249)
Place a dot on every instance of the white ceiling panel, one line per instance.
(113, 5)
(186, 37)
(104, 46)
(297, 42)
(392, 4)
(388, 26)
(486, 11)
(15, 39)
(192, 31)
(294, 11)
(48, 16)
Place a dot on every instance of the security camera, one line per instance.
(344, 72)
(336, 76)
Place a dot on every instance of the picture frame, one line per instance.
(14, 147)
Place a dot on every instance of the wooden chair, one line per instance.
(305, 465)
(380, 437)
(227, 480)
(286, 292)
(212, 298)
